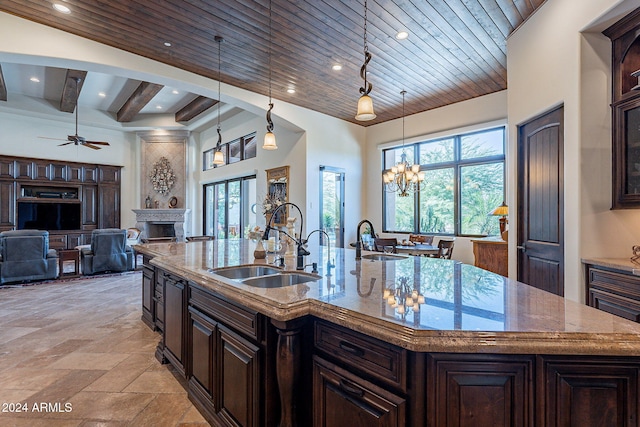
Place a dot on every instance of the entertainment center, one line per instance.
(68, 199)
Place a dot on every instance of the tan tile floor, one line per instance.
(80, 349)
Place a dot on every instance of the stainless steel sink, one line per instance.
(281, 280)
(383, 257)
(245, 271)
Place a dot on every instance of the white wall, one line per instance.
(551, 62)
(462, 116)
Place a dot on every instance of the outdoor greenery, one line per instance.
(464, 182)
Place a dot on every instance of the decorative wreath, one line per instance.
(162, 176)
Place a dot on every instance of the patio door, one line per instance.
(332, 205)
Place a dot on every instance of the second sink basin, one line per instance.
(245, 271)
(281, 280)
(383, 257)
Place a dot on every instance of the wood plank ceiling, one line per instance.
(456, 49)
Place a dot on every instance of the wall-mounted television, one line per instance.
(49, 216)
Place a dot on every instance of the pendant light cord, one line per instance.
(366, 89)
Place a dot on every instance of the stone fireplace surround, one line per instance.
(153, 222)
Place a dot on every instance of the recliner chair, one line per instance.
(108, 252)
(25, 256)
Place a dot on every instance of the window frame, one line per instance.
(205, 206)
(225, 147)
(457, 164)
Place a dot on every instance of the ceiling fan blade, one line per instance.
(66, 143)
(97, 142)
(86, 144)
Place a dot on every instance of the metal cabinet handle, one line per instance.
(344, 385)
(350, 348)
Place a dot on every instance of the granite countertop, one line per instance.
(623, 264)
(466, 309)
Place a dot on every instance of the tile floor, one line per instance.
(75, 353)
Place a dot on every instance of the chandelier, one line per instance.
(402, 297)
(403, 178)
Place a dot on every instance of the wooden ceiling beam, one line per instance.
(69, 100)
(194, 108)
(3, 87)
(136, 102)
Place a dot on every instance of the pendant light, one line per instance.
(218, 157)
(403, 177)
(269, 137)
(365, 103)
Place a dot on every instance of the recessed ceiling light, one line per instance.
(102, 94)
(336, 67)
(167, 44)
(158, 107)
(291, 90)
(35, 79)
(402, 35)
(61, 8)
(175, 91)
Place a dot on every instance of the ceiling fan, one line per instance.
(77, 139)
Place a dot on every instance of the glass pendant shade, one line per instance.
(218, 158)
(365, 109)
(269, 141)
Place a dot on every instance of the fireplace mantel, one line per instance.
(178, 217)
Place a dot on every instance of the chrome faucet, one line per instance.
(301, 251)
(330, 265)
(359, 237)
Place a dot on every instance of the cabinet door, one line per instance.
(590, 392)
(148, 291)
(7, 205)
(470, 391)
(239, 375)
(159, 301)
(204, 345)
(89, 205)
(343, 399)
(109, 206)
(174, 312)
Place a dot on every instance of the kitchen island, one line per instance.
(469, 347)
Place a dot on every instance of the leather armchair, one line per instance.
(25, 256)
(108, 252)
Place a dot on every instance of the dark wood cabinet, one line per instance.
(148, 293)
(475, 390)
(96, 188)
(614, 291)
(204, 356)
(175, 296)
(625, 65)
(343, 399)
(589, 392)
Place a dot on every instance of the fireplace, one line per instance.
(162, 223)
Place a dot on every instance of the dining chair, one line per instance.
(421, 238)
(445, 249)
(382, 244)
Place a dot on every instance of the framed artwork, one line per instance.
(277, 194)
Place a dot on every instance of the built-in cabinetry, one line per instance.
(491, 254)
(614, 290)
(625, 38)
(67, 199)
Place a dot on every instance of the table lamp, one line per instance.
(502, 211)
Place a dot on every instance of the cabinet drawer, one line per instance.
(369, 355)
(238, 317)
(615, 304)
(625, 285)
(57, 241)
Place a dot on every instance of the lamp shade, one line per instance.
(502, 210)
(218, 158)
(365, 109)
(269, 141)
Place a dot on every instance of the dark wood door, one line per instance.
(342, 399)
(109, 206)
(541, 202)
(470, 391)
(204, 358)
(589, 393)
(148, 291)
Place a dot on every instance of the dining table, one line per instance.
(418, 249)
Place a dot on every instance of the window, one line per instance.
(229, 207)
(464, 182)
(234, 151)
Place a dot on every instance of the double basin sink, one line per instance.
(262, 276)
